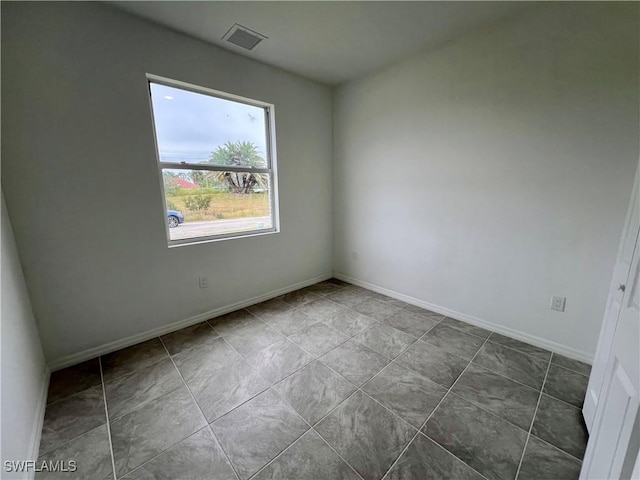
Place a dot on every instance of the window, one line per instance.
(215, 162)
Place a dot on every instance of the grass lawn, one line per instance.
(224, 205)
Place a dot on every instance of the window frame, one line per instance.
(271, 170)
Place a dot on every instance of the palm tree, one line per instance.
(240, 154)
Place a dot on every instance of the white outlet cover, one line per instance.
(557, 303)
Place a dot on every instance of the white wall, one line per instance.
(80, 179)
(23, 368)
(494, 172)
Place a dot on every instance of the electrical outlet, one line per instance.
(354, 255)
(203, 282)
(557, 303)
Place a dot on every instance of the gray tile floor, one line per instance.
(329, 382)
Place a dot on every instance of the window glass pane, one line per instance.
(205, 203)
(197, 128)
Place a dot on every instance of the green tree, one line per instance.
(198, 177)
(240, 154)
(170, 186)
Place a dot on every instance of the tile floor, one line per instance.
(329, 382)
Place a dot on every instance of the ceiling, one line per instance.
(330, 42)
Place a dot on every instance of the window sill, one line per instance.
(219, 238)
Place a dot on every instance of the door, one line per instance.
(614, 304)
(612, 451)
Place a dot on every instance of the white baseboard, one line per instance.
(38, 418)
(479, 322)
(94, 352)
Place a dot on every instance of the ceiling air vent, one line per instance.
(243, 37)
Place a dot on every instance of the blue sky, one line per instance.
(189, 126)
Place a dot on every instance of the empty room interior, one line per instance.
(320, 240)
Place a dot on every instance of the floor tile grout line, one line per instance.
(67, 442)
(454, 384)
(184, 382)
(154, 362)
(271, 384)
(317, 358)
(317, 320)
(360, 388)
(242, 357)
(312, 427)
(356, 390)
(449, 453)
(294, 307)
(224, 452)
(516, 381)
(278, 455)
(553, 354)
(275, 392)
(488, 411)
(146, 462)
(75, 393)
(431, 415)
(468, 333)
(144, 404)
(414, 340)
(499, 416)
(328, 326)
(451, 388)
(561, 401)
(529, 386)
(442, 318)
(117, 418)
(457, 330)
(378, 322)
(364, 392)
(194, 347)
(508, 378)
(387, 408)
(250, 313)
(206, 421)
(337, 453)
(555, 448)
(106, 412)
(520, 351)
(306, 431)
(439, 322)
(268, 382)
(447, 351)
(285, 337)
(533, 419)
(351, 307)
(345, 307)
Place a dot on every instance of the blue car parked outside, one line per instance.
(175, 218)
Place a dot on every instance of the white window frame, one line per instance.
(271, 170)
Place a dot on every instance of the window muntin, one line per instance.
(215, 162)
